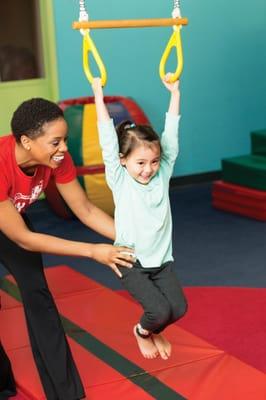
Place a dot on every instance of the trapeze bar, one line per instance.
(130, 23)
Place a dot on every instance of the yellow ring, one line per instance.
(174, 41)
(89, 46)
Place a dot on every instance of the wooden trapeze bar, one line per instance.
(129, 23)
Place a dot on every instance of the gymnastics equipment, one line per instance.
(243, 186)
(97, 320)
(84, 147)
(84, 25)
(239, 200)
(247, 170)
(258, 142)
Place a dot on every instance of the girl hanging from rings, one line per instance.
(138, 170)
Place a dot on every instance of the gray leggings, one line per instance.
(158, 291)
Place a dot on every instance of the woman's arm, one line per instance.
(88, 213)
(14, 227)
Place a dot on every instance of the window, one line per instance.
(20, 41)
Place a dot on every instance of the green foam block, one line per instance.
(248, 170)
(258, 142)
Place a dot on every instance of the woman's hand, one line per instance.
(113, 255)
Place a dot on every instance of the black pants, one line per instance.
(57, 370)
(7, 382)
(158, 291)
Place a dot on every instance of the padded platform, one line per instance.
(99, 323)
(258, 142)
(239, 199)
(249, 170)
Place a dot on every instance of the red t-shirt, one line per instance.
(22, 189)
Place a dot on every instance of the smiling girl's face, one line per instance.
(143, 162)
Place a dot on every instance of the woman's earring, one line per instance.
(28, 147)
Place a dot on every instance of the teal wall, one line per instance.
(224, 80)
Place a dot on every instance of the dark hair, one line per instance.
(130, 136)
(31, 115)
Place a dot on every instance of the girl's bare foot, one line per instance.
(163, 346)
(146, 346)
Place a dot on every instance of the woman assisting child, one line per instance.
(34, 153)
(138, 170)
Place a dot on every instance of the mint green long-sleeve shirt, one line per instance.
(142, 212)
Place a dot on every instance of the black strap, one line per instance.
(142, 335)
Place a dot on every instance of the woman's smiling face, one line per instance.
(49, 148)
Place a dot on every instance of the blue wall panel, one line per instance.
(223, 83)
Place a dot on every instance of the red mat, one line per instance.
(239, 199)
(230, 318)
(197, 370)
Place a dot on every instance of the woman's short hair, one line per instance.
(30, 117)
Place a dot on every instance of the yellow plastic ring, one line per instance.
(174, 42)
(89, 46)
